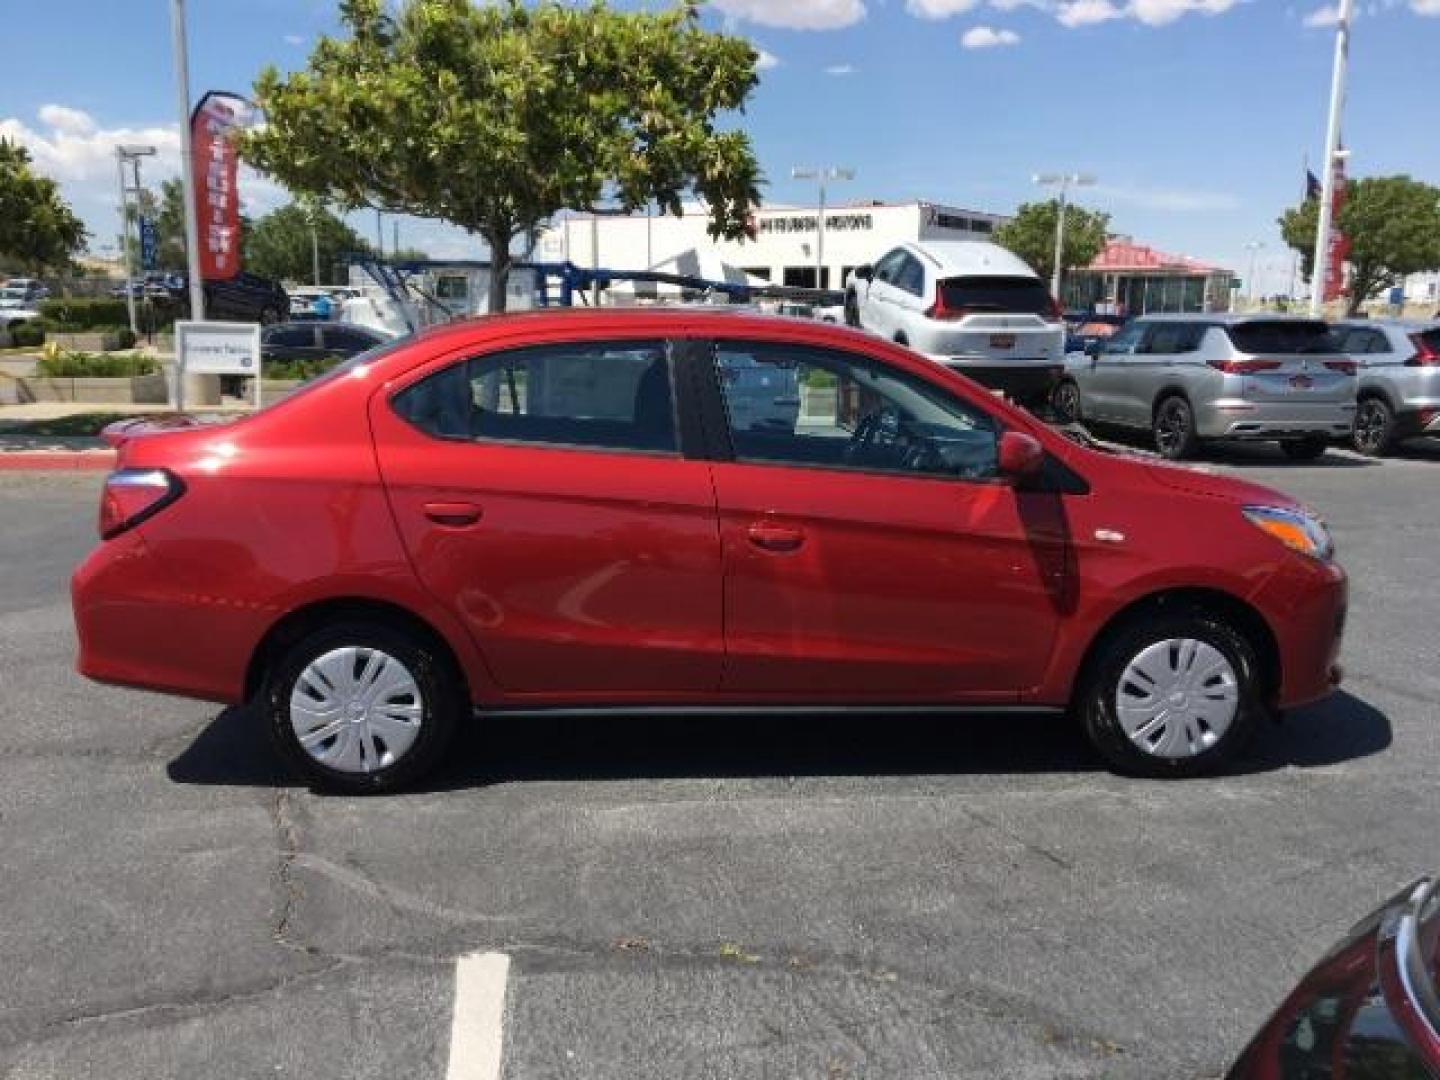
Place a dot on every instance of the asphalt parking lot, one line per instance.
(825, 898)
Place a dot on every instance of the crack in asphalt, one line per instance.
(287, 837)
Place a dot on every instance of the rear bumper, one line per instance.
(1236, 418)
(1029, 381)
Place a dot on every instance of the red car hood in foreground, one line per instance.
(1369, 1010)
(1202, 482)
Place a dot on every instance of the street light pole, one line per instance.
(130, 155)
(187, 172)
(1332, 156)
(1063, 181)
(821, 175)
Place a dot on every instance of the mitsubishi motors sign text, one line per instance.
(217, 201)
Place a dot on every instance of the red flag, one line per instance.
(1339, 242)
(216, 165)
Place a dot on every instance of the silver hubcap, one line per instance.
(356, 710)
(1177, 698)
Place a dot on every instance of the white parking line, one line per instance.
(477, 1029)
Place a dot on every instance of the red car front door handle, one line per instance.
(454, 514)
(769, 536)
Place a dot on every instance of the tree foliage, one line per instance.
(279, 245)
(497, 116)
(37, 227)
(1392, 223)
(1031, 235)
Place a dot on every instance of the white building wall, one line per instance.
(786, 238)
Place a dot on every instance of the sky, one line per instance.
(1195, 116)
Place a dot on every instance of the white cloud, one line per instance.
(984, 37)
(767, 59)
(840, 69)
(1160, 12)
(294, 39)
(72, 148)
(1425, 7)
(940, 9)
(1074, 13)
(795, 14)
(1328, 15)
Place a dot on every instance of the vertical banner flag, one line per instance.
(217, 201)
(1339, 242)
(147, 244)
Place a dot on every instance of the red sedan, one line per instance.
(694, 511)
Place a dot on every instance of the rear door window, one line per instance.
(1283, 337)
(1014, 295)
(602, 395)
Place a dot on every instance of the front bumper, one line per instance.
(1305, 604)
(1236, 418)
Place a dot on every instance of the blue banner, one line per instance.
(147, 244)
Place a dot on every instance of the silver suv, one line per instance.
(1191, 378)
(1399, 366)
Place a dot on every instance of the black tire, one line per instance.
(1065, 402)
(269, 316)
(1096, 701)
(443, 703)
(1305, 449)
(1374, 432)
(852, 309)
(1173, 429)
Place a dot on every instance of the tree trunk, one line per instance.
(500, 262)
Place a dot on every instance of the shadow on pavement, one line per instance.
(235, 750)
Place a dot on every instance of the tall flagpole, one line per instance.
(187, 164)
(1332, 149)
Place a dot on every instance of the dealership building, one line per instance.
(1133, 279)
(785, 248)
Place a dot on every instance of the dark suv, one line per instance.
(244, 298)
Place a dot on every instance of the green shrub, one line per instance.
(298, 369)
(81, 365)
(79, 315)
(117, 338)
(28, 335)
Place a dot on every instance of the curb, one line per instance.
(57, 460)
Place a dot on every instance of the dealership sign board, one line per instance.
(218, 348)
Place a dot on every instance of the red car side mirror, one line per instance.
(1021, 455)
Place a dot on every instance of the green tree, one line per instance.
(1031, 235)
(169, 214)
(1392, 223)
(279, 245)
(497, 116)
(37, 227)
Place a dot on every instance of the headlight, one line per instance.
(1295, 529)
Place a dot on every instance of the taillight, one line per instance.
(1345, 367)
(939, 309)
(1426, 354)
(132, 495)
(1245, 367)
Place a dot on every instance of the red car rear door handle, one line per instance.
(769, 536)
(452, 513)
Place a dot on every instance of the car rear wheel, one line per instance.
(362, 707)
(1174, 429)
(1065, 402)
(1374, 434)
(1171, 696)
(1304, 449)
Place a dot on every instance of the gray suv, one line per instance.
(1399, 366)
(1192, 378)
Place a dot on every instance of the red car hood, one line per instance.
(1217, 486)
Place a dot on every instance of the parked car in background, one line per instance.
(1189, 379)
(969, 305)
(306, 302)
(607, 509)
(313, 339)
(13, 298)
(1369, 1010)
(1399, 370)
(34, 289)
(246, 297)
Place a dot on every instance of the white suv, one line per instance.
(970, 305)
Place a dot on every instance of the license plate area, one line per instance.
(1002, 341)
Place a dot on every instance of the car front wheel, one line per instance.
(1065, 402)
(362, 707)
(1171, 696)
